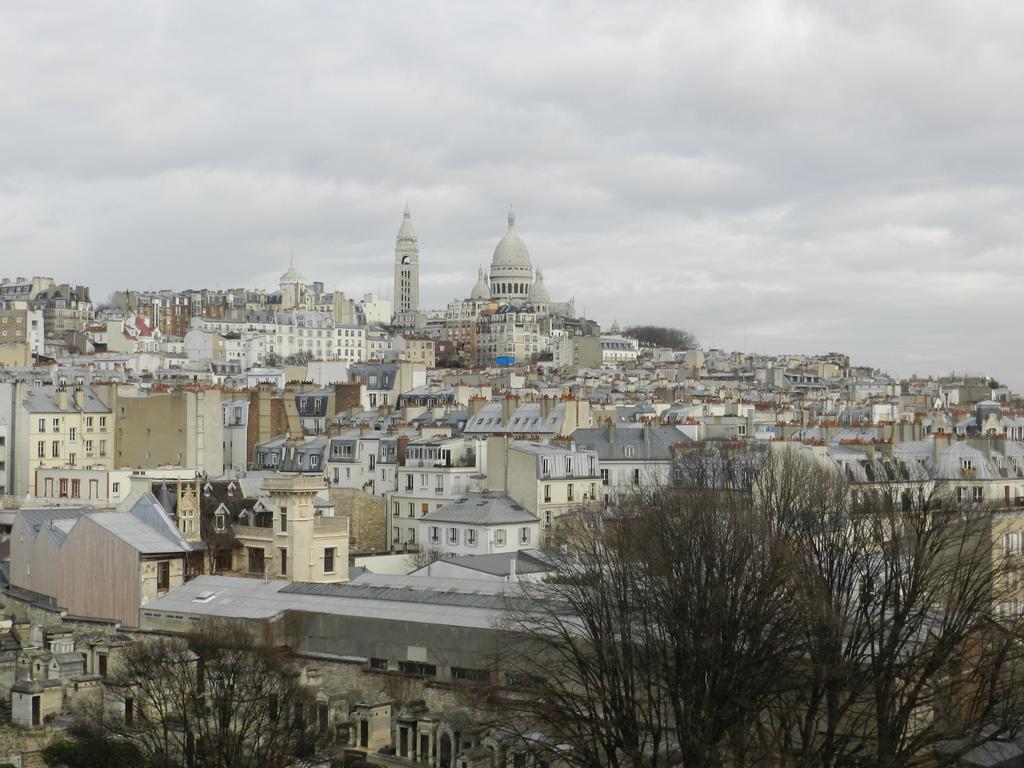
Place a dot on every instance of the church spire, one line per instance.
(511, 219)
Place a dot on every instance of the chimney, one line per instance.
(61, 398)
(508, 407)
(611, 429)
(79, 399)
(940, 442)
(546, 404)
(402, 444)
(475, 404)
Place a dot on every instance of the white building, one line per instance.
(295, 331)
(435, 472)
(616, 350)
(479, 524)
(236, 434)
(375, 309)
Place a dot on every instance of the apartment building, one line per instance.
(385, 382)
(547, 480)
(184, 428)
(365, 460)
(510, 333)
(21, 325)
(434, 472)
(317, 334)
(479, 524)
(64, 307)
(632, 456)
(53, 426)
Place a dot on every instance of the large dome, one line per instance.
(292, 277)
(511, 250)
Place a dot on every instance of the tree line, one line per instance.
(659, 336)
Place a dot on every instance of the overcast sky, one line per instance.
(773, 176)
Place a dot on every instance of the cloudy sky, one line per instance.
(773, 176)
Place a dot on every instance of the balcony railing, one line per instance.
(253, 532)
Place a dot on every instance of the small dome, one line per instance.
(538, 293)
(511, 250)
(292, 276)
(480, 292)
(407, 232)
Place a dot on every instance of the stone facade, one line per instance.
(367, 520)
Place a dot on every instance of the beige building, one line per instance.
(183, 429)
(545, 479)
(574, 352)
(417, 350)
(15, 354)
(300, 540)
(55, 427)
(511, 332)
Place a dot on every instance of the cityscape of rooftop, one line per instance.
(537, 385)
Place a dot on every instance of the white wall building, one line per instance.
(479, 524)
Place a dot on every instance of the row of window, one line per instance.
(547, 462)
(470, 536)
(72, 488)
(438, 482)
(55, 423)
(977, 493)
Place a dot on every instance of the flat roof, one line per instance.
(468, 603)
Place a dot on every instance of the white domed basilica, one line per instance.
(511, 270)
(511, 280)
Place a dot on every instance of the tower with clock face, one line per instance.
(407, 273)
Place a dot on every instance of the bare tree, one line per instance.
(424, 556)
(905, 647)
(763, 611)
(660, 638)
(213, 698)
